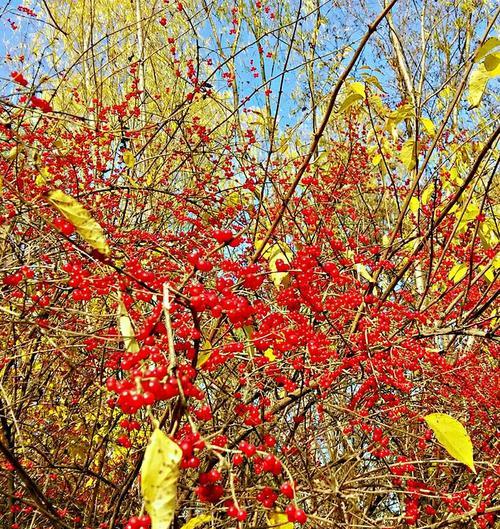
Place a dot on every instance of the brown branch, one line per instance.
(43, 504)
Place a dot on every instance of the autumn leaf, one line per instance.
(407, 154)
(273, 253)
(197, 521)
(269, 354)
(126, 329)
(453, 436)
(489, 45)
(159, 475)
(81, 219)
(129, 159)
(414, 205)
(458, 272)
(428, 126)
(349, 101)
(204, 354)
(279, 520)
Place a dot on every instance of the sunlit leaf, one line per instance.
(349, 101)
(269, 354)
(453, 436)
(197, 521)
(43, 176)
(126, 329)
(407, 154)
(457, 272)
(426, 194)
(273, 253)
(428, 126)
(471, 212)
(81, 219)
(403, 112)
(129, 159)
(159, 475)
(479, 78)
(13, 152)
(279, 520)
(357, 88)
(414, 205)
(492, 64)
(488, 46)
(489, 273)
(205, 353)
(363, 272)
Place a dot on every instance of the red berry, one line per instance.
(300, 516)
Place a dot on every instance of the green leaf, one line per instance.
(159, 475)
(197, 521)
(489, 45)
(81, 219)
(453, 436)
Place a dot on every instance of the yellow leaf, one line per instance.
(205, 353)
(43, 176)
(427, 193)
(477, 84)
(269, 354)
(128, 159)
(197, 521)
(357, 88)
(84, 224)
(453, 436)
(428, 126)
(126, 329)
(363, 272)
(492, 63)
(471, 212)
(11, 155)
(272, 253)
(349, 101)
(159, 475)
(279, 520)
(489, 45)
(407, 154)
(458, 272)
(376, 159)
(489, 274)
(414, 205)
(404, 112)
